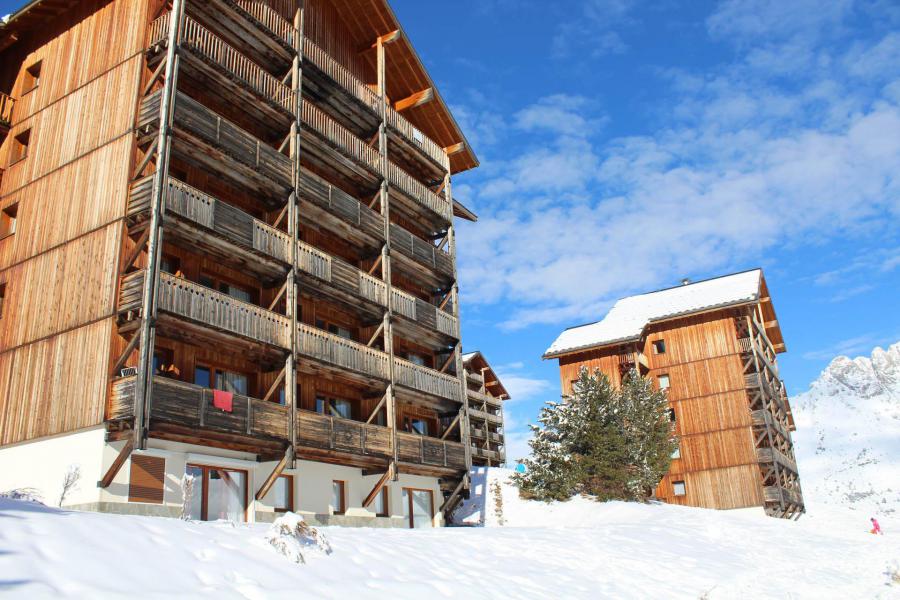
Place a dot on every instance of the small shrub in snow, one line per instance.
(187, 495)
(293, 538)
(497, 493)
(607, 443)
(70, 482)
(23, 494)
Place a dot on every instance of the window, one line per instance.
(418, 508)
(170, 265)
(678, 488)
(218, 493)
(676, 453)
(2, 298)
(663, 381)
(381, 503)
(416, 359)
(164, 363)
(230, 289)
(335, 329)
(283, 492)
(419, 426)
(31, 77)
(222, 379)
(19, 150)
(338, 497)
(147, 480)
(671, 414)
(334, 407)
(8, 220)
(659, 347)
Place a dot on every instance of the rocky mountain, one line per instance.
(848, 434)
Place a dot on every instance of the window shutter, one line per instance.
(148, 474)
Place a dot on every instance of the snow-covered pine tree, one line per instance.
(606, 443)
(649, 434)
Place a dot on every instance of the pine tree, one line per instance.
(606, 443)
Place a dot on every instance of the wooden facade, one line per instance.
(728, 403)
(253, 195)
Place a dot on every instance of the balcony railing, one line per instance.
(6, 108)
(333, 433)
(235, 144)
(484, 398)
(488, 417)
(418, 449)
(339, 136)
(340, 352)
(268, 18)
(426, 380)
(340, 74)
(189, 405)
(419, 192)
(772, 455)
(362, 92)
(197, 303)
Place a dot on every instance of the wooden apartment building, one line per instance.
(485, 395)
(712, 345)
(228, 251)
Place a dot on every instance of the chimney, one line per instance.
(685, 281)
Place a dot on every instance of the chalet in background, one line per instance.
(228, 251)
(712, 346)
(485, 395)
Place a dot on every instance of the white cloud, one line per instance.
(594, 29)
(746, 165)
(851, 347)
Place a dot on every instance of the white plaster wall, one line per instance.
(42, 464)
(312, 480)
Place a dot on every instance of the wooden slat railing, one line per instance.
(6, 108)
(419, 140)
(447, 323)
(339, 136)
(314, 261)
(420, 449)
(159, 29)
(345, 435)
(403, 303)
(269, 18)
(209, 307)
(189, 405)
(485, 416)
(340, 74)
(421, 250)
(372, 288)
(418, 191)
(484, 398)
(327, 347)
(426, 380)
(196, 38)
(769, 455)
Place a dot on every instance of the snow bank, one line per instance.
(578, 549)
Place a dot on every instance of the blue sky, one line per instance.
(626, 145)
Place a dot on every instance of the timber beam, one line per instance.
(413, 100)
(378, 486)
(381, 40)
(276, 472)
(114, 468)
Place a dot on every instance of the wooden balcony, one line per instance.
(421, 251)
(209, 308)
(208, 62)
(479, 397)
(344, 441)
(413, 140)
(757, 381)
(494, 456)
(252, 27)
(772, 455)
(421, 450)
(188, 408)
(426, 381)
(486, 417)
(342, 353)
(483, 433)
(763, 418)
(202, 222)
(776, 493)
(206, 140)
(7, 103)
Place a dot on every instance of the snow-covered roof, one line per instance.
(629, 316)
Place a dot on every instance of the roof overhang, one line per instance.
(31, 15)
(475, 361)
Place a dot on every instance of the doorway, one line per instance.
(219, 493)
(418, 508)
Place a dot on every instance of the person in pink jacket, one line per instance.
(876, 528)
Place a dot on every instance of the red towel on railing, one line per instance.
(222, 400)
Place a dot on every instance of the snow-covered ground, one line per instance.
(848, 434)
(578, 549)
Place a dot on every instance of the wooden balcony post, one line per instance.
(144, 382)
(292, 295)
(384, 196)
